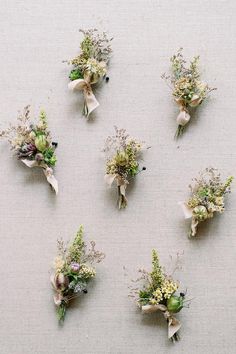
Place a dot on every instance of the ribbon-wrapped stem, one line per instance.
(122, 185)
(90, 101)
(193, 229)
(122, 200)
(188, 214)
(48, 172)
(121, 188)
(173, 324)
(182, 118)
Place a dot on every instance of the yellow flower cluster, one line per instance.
(87, 272)
(158, 295)
(153, 301)
(168, 288)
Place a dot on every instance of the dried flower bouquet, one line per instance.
(159, 293)
(90, 66)
(73, 269)
(122, 163)
(187, 88)
(33, 145)
(207, 197)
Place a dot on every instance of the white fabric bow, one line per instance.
(173, 324)
(90, 101)
(47, 171)
(121, 184)
(188, 214)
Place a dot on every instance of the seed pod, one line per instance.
(41, 142)
(175, 303)
(200, 213)
(122, 158)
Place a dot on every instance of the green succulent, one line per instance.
(75, 74)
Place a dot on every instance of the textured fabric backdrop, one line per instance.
(35, 37)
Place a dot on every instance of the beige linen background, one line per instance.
(35, 37)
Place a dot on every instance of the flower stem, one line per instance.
(179, 131)
(61, 311)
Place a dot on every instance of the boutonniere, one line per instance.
(187, 88)
(33, 145)
(73, 269)
(123, 153)
(90, 66)
(207, 197)
(159, 294)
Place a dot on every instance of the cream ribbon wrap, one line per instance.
(121, 184)
(188, 214)
(58, 297)
(90, 100)
(173, 324)
(48, 172)
(184, 117)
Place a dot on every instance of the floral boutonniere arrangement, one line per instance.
(122, 163)
(159, 293)
(187, 88)
(207, 197)
(73, 269)
(90, 66)
(33, 145)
